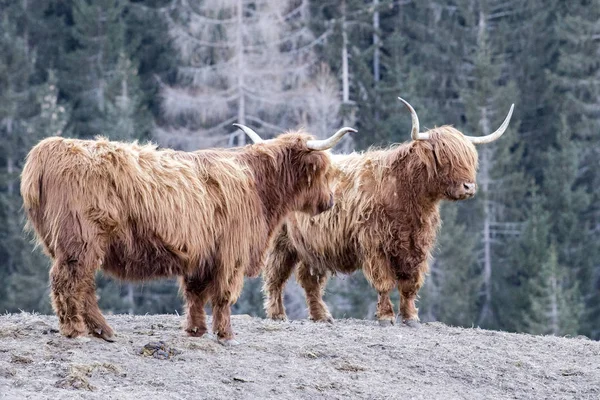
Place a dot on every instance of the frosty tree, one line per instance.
(250, 62)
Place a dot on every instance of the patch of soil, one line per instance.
(153, 358)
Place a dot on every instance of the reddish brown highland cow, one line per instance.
(385, 220)
(140, 213)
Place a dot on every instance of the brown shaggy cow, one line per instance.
(385, 220)
(141, 213)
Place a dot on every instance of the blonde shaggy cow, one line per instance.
(384, 221)
(140, 213)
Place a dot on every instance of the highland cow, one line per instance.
(384, 221)
(139, 213)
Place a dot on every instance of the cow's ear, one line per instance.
(426, 153)
(317, 161)
(436, 154)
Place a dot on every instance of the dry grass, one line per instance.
(291, 360)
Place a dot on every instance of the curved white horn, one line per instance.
(414, 133)
(492, 136)
(251, 134)
(329, 142)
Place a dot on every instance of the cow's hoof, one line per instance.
(73, 330)
(328, 319)
(195, 332)
(279, 317)
(103, 334)
(385, 322)
(412, 323)
(228, 342)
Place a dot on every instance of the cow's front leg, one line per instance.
(196, 292)
(225, 294)
(278, 269)
(385, 309)
(379, 273)
(409, 289)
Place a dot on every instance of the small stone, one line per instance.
(20, 360)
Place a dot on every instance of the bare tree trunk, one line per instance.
(347, 144)
(130, 299)
(554, 323)
(10, 163)
(376, 53)
(240, 75)
(484, 179)
(26, 32)
(101, 82)
(125, 89)
(345, 77)
(10, 168)
(376, 74)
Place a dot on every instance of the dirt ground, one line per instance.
(291, 360)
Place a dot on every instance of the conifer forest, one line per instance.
(522, 256)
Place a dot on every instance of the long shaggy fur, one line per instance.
(142, 213)
(385, 220)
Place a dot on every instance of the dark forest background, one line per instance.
(524, 255)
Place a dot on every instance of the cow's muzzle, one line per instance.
(322, 207)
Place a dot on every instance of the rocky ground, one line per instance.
(291, 360)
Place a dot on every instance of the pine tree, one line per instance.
(527, 35)
(124, 117)
(28, 111)
(27, 286)
(450, 290)
(501, 184)
(572, 186)
(17, 110)
(525, 255)
(568, 203)
(151, 48)
(556, 305)
(97, 67)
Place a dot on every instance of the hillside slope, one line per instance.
(291, 360)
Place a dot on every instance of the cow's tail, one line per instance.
(32, 184)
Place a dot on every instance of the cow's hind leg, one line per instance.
(78, 251)
(314, 283)
(93, 318)
(277, 271)
(196, 292)
(66, 280)
(409, 288)
(73, 292)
